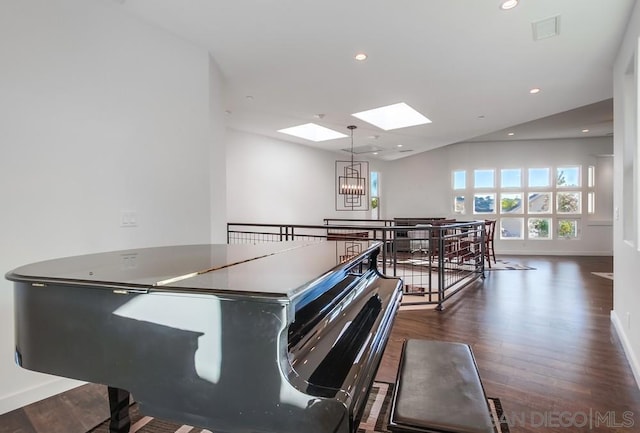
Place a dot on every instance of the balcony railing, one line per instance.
(435, 258)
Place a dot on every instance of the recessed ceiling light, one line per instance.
(360, 57)
(585, 130)
(393, 116)
(399, 145)
(313, 132)
(375, 153)
(534, 91)
(511, 134)
(508, 4)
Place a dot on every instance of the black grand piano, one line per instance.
(282, 337)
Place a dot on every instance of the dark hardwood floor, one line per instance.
(544, 344)
(543, 341)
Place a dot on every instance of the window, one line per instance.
(484, 203)
(539, 202)
(569, 202)
(539, 228)
(591, 194)
(511, 202)
(375, 195)
(483, 179)
(568, 177)
(591, 176)
(591, 202)
(567, 229)
(539, 177)
(459, 179)
(511, 178)
(512, 228)
(458, 204)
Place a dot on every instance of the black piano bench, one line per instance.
(438, 390)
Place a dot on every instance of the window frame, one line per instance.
(551, 191)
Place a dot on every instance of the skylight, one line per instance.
(313, 132)
(392, 117)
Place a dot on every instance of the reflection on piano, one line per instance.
(283, 337)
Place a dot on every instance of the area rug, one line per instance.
(503, 265)
(374, 418)
(607, 275)
(499, 265)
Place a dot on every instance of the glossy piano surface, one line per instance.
(282, 337)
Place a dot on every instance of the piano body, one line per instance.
(281, 337)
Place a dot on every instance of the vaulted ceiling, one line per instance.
(467, 65)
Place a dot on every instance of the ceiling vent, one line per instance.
(546, 28)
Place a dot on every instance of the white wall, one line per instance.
(217, 155)
(626, 290)
(273, 181)
(420, 186)
(99, 113)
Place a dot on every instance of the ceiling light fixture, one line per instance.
(360, 57)
(585, 130)
(505, 5)
(511, 134)
(352, 182)
(534, 91)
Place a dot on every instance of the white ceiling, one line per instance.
(465, 64)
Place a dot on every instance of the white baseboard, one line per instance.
(36, 393)
(628, 350)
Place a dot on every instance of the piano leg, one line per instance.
(119, 408)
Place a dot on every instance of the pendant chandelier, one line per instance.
(352, 182)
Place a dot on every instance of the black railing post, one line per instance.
(441, 269)
(394, 252)
(384, 251)
(483, 246)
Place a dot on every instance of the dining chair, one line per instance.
(489, 250)
(440, 236)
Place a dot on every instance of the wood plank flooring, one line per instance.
(544, 344)
(543, 341)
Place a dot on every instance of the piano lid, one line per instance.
(146, 266)
(230, 269)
